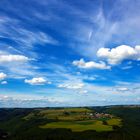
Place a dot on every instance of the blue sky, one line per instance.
(69, 53)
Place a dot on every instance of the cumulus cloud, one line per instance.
(71, 86)
(36, 81)
(17, 65)
(11, 58)
(120, 53)
(90, 65)
(2, 76)
(4, 82)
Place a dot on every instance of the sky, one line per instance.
(69, 53)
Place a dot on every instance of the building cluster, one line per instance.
(99, 115)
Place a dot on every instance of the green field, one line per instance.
(114, 122)
(66, 114)
(77, 119)
(79, 126)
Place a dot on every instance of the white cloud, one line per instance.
(83, 91)
(16, 65)
(91, 64)
(11, 58)
(36, 81)
(122, 89)
(120, 53)
(71, 86)
(4, 82)
(2, 76)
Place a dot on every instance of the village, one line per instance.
(97, 115)
(85, 115)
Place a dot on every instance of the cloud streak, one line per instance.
(13, 58)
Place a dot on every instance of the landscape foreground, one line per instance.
(83, 123)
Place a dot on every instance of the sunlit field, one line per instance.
(78, 119)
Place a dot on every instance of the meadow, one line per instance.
(78, 119)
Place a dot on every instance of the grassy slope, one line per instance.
(79, 126)
(114, 122)
(69, 118)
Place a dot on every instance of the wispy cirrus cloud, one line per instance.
(21, 53)
(107, 27)
(12, 29)
(71, 85)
